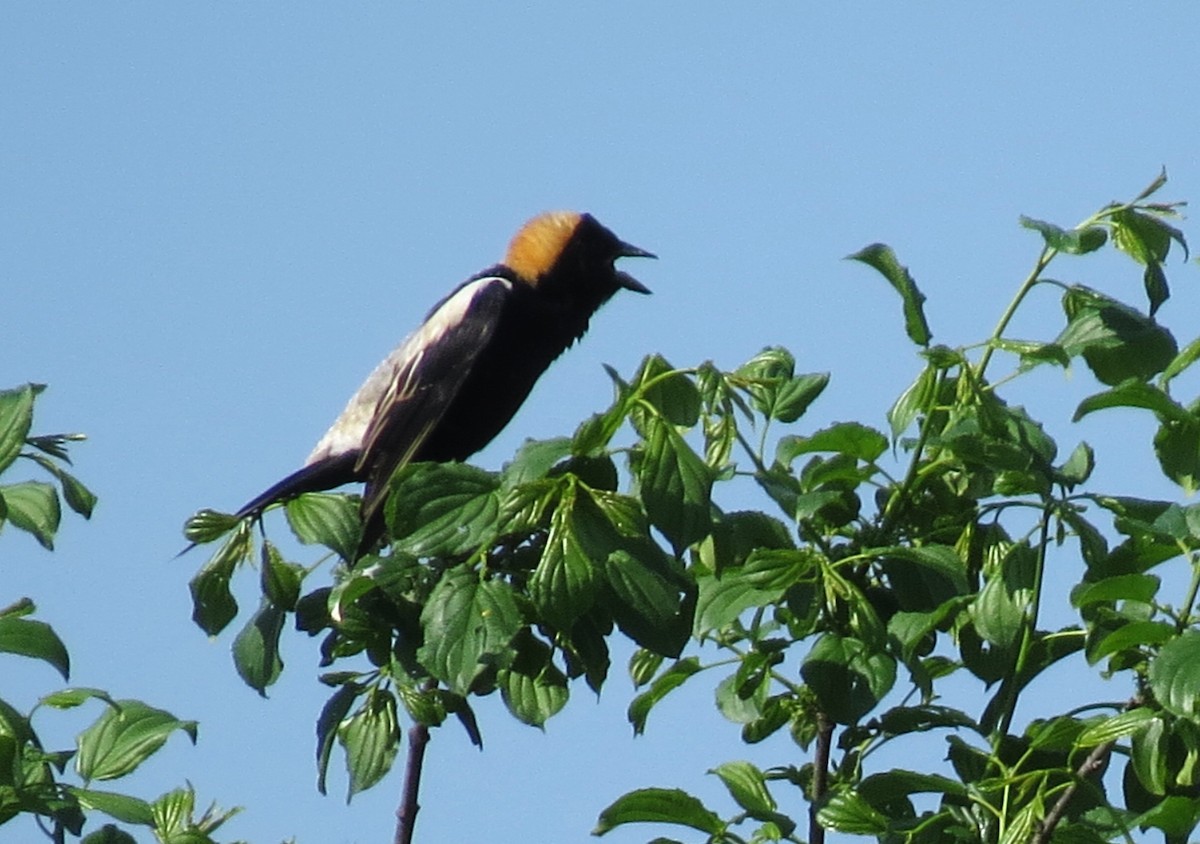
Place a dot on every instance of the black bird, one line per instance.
(455, 382)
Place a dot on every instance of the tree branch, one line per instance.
(820, 781)
(1092, 764)
(406, 813)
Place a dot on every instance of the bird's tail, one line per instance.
(324, 474)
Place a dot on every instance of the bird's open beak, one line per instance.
(628, 250)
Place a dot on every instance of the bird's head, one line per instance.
(571, 253)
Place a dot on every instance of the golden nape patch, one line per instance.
(538, 244)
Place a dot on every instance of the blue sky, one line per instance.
(216, 219)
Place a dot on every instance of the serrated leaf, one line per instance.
(213, 604)
(33, 507)
(208, 525)
(331, 717)
(913, 401)
(325, 518)
(846, 811)
(371, 739)
(848, 678)
(466, 620)
(442, 509)
(747, 786)
(766, 575)
(123, 737)
(1115, 727)
(78, 497)
(1072, 241)
(881, 257)
(34, 639)
(675, 484)
(1135, 393)
(534, 460)
(119, 806)
(564, 584)
(1175, 675)
(664, 684)
(659, 805)
(16, 417)
(256, 648)
(671, 392)
(647, 607)
(533, 688)
(852, 439)
(1115, 340)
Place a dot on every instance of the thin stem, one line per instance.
(406, 813)
(1030, 282)
(820, 781)
(1185, 617)
(1010, 705)
(1091, 765)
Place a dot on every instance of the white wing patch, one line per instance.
(395, 375)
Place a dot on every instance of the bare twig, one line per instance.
(1093, 763)
(406, 814)
(820, 781)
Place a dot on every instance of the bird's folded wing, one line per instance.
(426, 373)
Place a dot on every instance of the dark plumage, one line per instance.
(457, 380)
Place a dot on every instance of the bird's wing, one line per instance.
(423, 377)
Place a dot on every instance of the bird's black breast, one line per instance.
(531, 331)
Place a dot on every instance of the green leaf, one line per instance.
(667, 682)
(16, 417)
(33, 507)
(1175, 816)
(1177, 447)
(1135, 393)
(213, 604)
(1079, 466)
(442, 509)
(332, 715)
(34, 639)
(208, 525)
(533, 688)
(1032, 352)
(119, 806)
(882, 789)
(849, 438)
(464, 621)
(325, 518)
(675, 484)
(111, 834)
(123, 737)
(848, 678)
(914, 401)
(883, 259)
(78, 497)
(279, 579)
(846, 811)
(1116, 341)
(1000, 611)
(1135, 634)
(534, 460)
(1155, 282)
(923, 577)
(564, 584)
(1181, 362)
(371, 739)
(643, 665)
(1115, 727)
(747, 786)
(70, 698)
(671, 392)
(659, 805)
(256, 648)
(1175, 675)
(766, 575)
(646, 606)
(1072, 241)
(1122, 587)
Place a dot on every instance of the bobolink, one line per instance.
(456, 381)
